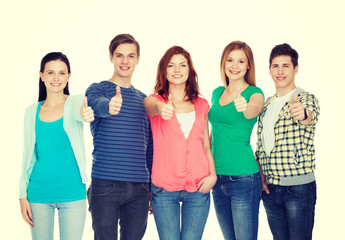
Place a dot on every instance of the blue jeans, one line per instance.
(237, 200)
(111, 202)
(290, 211)
(71, 220)
(166, 210)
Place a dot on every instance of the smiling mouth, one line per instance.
(281, 78)
(56, 84)
(124, 68)
(177, 76)
(234, 72)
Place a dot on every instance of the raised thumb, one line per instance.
(295, 99)
(118, 92)
(84, 102)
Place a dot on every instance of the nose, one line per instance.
(177, 69)
(125, 60)
(56, 77)
(280, 70)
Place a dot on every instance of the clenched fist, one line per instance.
(297, 110)
(86, 112)
(115, 103)
(240, 103)
(167, 110)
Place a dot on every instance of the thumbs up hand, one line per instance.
(86, 112)
(115, 102)
(297, 110)
(167, 110)
(240, 102)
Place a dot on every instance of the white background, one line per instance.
(83, 30)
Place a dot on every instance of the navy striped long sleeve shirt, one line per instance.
(123, 145)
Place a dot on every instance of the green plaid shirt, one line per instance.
(293, 153)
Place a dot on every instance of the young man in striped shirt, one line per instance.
(285, 150)
(122, 155)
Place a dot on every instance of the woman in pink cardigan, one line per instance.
(183, 167)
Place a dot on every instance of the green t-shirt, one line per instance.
(232, 152)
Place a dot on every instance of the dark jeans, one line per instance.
(290, 211)
(111, 202)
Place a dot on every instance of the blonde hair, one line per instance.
(249, 77)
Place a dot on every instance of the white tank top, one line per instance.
(186, 121)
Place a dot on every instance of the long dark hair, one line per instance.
(162, 84)
(53, 56)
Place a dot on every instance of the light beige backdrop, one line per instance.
(83, 30)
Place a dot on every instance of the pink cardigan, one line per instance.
(179, 163)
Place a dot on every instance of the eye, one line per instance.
(49, 72)
(170, 65)
(229, 60)
(183, 65)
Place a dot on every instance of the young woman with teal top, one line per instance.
(233, 114)
(53, 172)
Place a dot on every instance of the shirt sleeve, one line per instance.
(310, 102)
(97, 101)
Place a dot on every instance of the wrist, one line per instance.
(305, 115)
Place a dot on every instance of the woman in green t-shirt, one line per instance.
(233, 114)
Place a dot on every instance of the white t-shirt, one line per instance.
(186, 121)
(270, 119)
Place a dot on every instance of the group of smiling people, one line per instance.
(156, 153)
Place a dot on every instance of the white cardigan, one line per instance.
(73, 125)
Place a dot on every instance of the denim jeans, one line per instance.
(113, 202)
(167, 212)
(290, 211)
(237, 200)
(71, 220)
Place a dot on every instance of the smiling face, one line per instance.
(55, 76)
(125, 58)
(283, 74)
(236, 65)
(178, 70)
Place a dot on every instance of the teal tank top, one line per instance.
(55, 176)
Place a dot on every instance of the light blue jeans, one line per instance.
(167, 212)
(71, 220)
(236, 200)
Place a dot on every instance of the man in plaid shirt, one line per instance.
(285, 150)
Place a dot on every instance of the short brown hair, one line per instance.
(249, 77)
(121, 39)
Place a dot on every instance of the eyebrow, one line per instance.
(178, 63)
(124, 54)
(238, 58)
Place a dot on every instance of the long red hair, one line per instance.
(162, 84)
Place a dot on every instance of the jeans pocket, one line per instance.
(298, 190)
(240, 178)
(102, 187)
(145, 186)
(156, 190)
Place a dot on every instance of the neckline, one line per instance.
(232, 100)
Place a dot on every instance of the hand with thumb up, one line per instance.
(240, 102)
(115, 102)
(167, 110)
(297, 110)
(86, 112)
